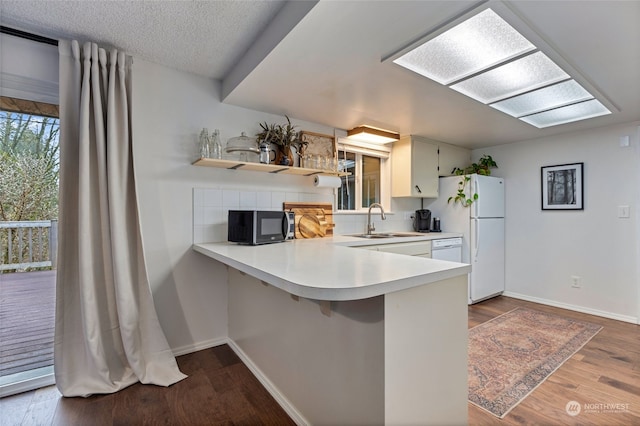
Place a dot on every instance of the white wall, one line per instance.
(28, 69)
(545, 248)
(170, 109)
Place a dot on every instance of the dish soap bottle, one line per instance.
(216, 146)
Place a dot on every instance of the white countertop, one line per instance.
(331, 269)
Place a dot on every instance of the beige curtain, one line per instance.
(107, 331)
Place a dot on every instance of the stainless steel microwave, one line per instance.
(260, 226)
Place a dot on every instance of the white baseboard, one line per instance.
(598, 313)
(286, 405)
(198, 346)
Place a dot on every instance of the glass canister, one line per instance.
(245, 147)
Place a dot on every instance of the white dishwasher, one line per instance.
(447, 249)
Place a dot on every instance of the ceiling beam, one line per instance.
(285, 20)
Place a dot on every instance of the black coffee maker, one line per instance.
(422, 220)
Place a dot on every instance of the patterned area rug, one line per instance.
(514, 353)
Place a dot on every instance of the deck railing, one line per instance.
(28, 244)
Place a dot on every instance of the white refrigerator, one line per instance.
(482, 225)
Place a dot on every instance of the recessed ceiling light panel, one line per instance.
(522, 75)
(567, 114)
(487, 59)
(558, 95)
(474, 45)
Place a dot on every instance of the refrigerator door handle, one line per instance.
(477, 226)
(474, 188)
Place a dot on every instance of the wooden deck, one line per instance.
(27, 317)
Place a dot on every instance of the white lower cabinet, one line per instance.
(415, 248)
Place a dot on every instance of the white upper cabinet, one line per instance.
(416, 164)
(414, 168)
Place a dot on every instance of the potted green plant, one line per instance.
(482, 167)
(284, 137)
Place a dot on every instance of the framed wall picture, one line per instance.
(562, 187)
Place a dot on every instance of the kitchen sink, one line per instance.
(384, 235)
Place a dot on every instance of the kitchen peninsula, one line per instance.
(342, 335)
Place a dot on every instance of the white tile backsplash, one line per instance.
(231, 198)
(198, 234)
(263, 200)
(198, 214)
(277, 198)
(350, 223)
(212, 197)
(294, 197)
(346, 224)
(211, 209)
(198, 196)
(212, 215)
(315, 198)
(248, 200)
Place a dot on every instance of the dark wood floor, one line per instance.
(27, 315)
(221, 390)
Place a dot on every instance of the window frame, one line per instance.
(360, 149)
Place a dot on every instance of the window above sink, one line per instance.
(369, 179)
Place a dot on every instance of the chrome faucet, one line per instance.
(370, 226)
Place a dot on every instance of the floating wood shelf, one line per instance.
(266, 168)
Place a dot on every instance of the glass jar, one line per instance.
(204, 144)
(306, 161)
(331, 164)
(216, 145)
(264, 153)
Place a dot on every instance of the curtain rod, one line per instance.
(28, 36)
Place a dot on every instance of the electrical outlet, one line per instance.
(408, 215)
(576, 282)
(623, 212)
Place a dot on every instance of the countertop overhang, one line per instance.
(331, 269)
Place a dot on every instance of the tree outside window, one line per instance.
(29, 170)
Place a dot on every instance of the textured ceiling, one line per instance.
(202, 37)
(321, 61)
